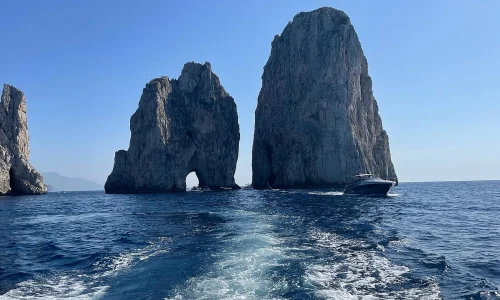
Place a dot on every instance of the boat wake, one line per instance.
(243, 267)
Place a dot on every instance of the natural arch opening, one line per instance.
(192, 180)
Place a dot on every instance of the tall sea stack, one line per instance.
(317, 122)
(17, 176)
(181, 126)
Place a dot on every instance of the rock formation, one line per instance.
(316, 122)
(184, 125)
(17, 176)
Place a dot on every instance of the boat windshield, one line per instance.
(360, 177)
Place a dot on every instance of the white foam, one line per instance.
(242, 267)
(361, 274)
(400, 242)
(110, 266)
(54, 288)
(330, 193)
(82, 286)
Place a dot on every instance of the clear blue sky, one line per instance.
(82, 64)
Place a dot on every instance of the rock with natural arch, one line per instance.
(182, 125)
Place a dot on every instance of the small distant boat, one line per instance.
(248, 187)
(196, 189)
(225, 188)
(367, 184)
(206, 189)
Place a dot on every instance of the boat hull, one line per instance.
(372, 189)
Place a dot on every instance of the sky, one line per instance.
(82, 66)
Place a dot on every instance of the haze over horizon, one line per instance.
(82, 67)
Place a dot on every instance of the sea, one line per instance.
(437, 240)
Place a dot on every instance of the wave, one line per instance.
(110, 266)
(351, 273)
(84, 285)
(54, 288)
(484, 295)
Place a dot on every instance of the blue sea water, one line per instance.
(424, 241)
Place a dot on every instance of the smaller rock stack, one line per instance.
(17, 176)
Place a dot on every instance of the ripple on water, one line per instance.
(424, 241)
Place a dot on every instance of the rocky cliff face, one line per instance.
(181, 126)
(17, 176)
(317, 122)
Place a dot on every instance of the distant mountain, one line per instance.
(62, 183)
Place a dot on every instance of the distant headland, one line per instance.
(57, 183)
